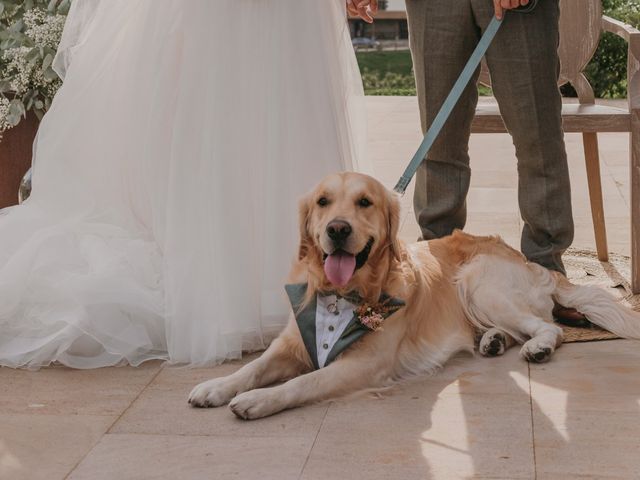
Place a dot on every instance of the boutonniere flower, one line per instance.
(372, 316)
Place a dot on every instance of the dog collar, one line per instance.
(330, 323)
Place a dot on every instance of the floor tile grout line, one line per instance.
(115, 421)
(533, 433)
(619, 189)
(135, 399)
(607, 170)
(306, 460)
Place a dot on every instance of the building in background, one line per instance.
(390, 23)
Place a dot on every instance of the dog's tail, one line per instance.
(600, 307)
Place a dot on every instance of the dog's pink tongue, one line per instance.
(339, 268)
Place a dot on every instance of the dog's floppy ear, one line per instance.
(304, 212)
(393, 228)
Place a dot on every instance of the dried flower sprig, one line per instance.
(373, 316)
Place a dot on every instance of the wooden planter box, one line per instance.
(16, 148)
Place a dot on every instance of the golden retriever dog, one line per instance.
(451, 289)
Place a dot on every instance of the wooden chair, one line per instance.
(581, 24)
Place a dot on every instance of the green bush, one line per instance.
(30, 31)
(388, 83)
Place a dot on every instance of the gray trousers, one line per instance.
(524, 67)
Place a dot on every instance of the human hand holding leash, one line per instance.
(365, 9)
(502, 5)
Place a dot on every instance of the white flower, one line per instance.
(4, 111)
(44, 29)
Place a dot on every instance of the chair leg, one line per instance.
(592, 160)
(634, 171)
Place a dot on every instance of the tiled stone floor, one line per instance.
(575, 417)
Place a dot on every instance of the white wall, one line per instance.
(396, 5)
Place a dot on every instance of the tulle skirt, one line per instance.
(163, 218)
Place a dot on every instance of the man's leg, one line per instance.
(442, 37)
(524, 68)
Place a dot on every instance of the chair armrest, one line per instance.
(619, 28)
(632, 36)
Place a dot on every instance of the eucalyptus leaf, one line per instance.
(46, 63)
(16, 27)
(13, 119)
(16, 107)
(63, 8)
(33, 55)
(29, 99)
(32, 94)
(50, 74)
(5, 85)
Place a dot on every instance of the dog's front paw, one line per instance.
(537, 351)
(213, 393)
(256, 404)
(492, 343)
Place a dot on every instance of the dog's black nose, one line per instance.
(338, 231)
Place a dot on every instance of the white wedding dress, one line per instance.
(163, 217)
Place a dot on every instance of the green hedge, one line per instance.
(387, 73)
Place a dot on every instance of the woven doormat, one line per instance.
(584, 268)
(595, 334)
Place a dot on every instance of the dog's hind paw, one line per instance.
(536, 352)
(213, 393)
(492, 343)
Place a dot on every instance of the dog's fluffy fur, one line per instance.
(453, 287)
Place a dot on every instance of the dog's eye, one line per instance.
(364, 202)
(323, 202)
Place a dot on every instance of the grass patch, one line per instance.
(383, 62)
(391, 73)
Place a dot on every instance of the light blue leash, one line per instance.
(448, 105)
